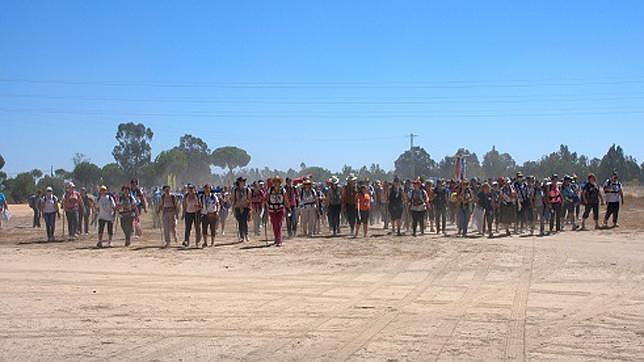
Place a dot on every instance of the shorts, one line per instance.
(110, 227)
(395, 211)
(364, 217)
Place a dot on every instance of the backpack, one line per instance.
(32, 201)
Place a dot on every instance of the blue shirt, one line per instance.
(2, 199)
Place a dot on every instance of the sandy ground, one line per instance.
(573, 296)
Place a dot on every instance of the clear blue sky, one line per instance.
(328, 82)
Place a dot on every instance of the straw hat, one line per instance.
(334, 180)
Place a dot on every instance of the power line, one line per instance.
(438, 84)
(328, 101)
(341, 114)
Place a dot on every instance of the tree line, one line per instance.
(191, 160)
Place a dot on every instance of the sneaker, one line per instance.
(204, 245)
(99, 244)
(185, 244)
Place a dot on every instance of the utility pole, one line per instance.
(413, 155)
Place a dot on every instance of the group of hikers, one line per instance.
(518, 205)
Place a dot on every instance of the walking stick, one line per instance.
(63, 218)
(266, 230)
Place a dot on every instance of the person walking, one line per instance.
(441, 195)
(570, 201)
(591, 197)
(308, 208)
(541, 211)
(89, 207)
(292, 214)
(349, 197)
(507, 202)
(34, 203)
(128, 211)
(241, 207)
(363, 200)
(277, 203)
(191, 216)
(49, 210)
(106, 207)
(384, 208)
(465, 199)
(72, 205)
(418, 207)
(168, 208)
(485, 201)
(334, 202)
(555, 201)
(224, 200)
(396, 205)
(4, 208)
(614, 194)
(524, 203)
(257, 200)
(209, 215)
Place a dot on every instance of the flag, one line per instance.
(460, 168)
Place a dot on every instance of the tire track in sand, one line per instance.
(515, 340)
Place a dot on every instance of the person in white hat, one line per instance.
(334, 205)
(106, 208)
(49, 211)
(308, 208)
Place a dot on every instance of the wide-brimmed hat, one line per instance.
(49, 189)
(102, 188)
(307, 182)
(71, 184)
(277, 179)
(334, 180)
(351, 178)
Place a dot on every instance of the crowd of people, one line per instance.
(493, 207)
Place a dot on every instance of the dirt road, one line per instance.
(573, 296)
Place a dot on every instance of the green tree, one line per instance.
(198, 158)
(133, 151)
(56, 183)
(318, 174)
(1, 162)
(36, 173)
(113, 176)
(615, 160)
(497, 164)
(173, 161)
(415, 162)
(230, 157)
(63, 174)
(18, 189)
(87, 174)
(80, 158)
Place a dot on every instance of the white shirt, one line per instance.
(106, 206)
